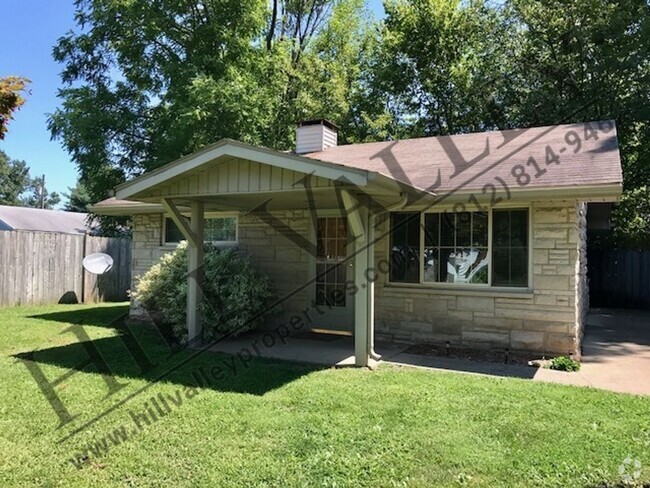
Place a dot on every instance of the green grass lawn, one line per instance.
(284, 424)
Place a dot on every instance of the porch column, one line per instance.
(195, 273)
(364, 297)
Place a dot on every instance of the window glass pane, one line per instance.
(463, 229)
(431, 265)
(216, 229)
(510, 247)
(405, 247)
(519, 267)
(479, 272)
(172, 232)
(220, 229)
(500, 266)
(431, 223)
(480, 229)
(447, 269)
(519, 228)
(467, 266)
(447, 225)
(500, 228)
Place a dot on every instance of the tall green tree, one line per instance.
(147, 82)
(589, 60)
(38, 196)
(14, 178)
(443, 65)
(77, 199)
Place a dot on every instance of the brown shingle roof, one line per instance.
(471, 161)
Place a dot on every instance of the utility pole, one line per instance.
(43, 192)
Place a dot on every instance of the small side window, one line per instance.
(217, 230)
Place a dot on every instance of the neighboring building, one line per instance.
(476, 239)
(36, 219)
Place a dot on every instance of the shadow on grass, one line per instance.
(106, 316)
(137, 352)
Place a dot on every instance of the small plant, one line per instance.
(565, 363)
(236, 296)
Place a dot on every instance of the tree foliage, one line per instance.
(146, 82)
(14, 178)
(38, 196)
(11, 99)
(77, 199)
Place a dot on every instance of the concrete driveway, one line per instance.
(616, 350)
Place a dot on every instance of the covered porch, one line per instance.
(268, 188)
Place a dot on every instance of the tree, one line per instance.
(38, 195)
(11, 99)
(14, 178)
(78, 198)
(442, 66)
(147, 82)
(588, 60)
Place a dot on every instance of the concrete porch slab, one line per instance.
(616, 354)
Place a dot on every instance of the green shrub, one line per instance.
(564, 363)
(236, 297)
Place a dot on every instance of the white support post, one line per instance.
(195, 274)
(364, 298)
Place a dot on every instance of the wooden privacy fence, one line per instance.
(619, 278)
(45, 267)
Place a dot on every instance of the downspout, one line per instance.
(392, 208)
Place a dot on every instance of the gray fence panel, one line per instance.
(45, 267)
(619, 278)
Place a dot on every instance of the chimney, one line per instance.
(315, 135)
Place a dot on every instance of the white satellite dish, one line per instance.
(98, 263)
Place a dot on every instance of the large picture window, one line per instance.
(468, 248)
(216, 230)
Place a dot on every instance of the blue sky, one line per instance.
(26, 41)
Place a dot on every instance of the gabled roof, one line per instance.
(484, 156)
(579, 160)
(36, 219)
(236, 149)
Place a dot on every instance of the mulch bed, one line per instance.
(492, 356)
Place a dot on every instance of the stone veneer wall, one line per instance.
(547, 320)
(283, 260)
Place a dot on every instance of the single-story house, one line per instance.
(475, 239)
(44, 220)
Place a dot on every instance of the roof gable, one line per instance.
(156, 181)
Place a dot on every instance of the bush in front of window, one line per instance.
(236, 296)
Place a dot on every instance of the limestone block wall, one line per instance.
(544, 318)
(279, 256)
(146, 250)
(273, 251)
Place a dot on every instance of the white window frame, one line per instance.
(472, 286)
(207, 215)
